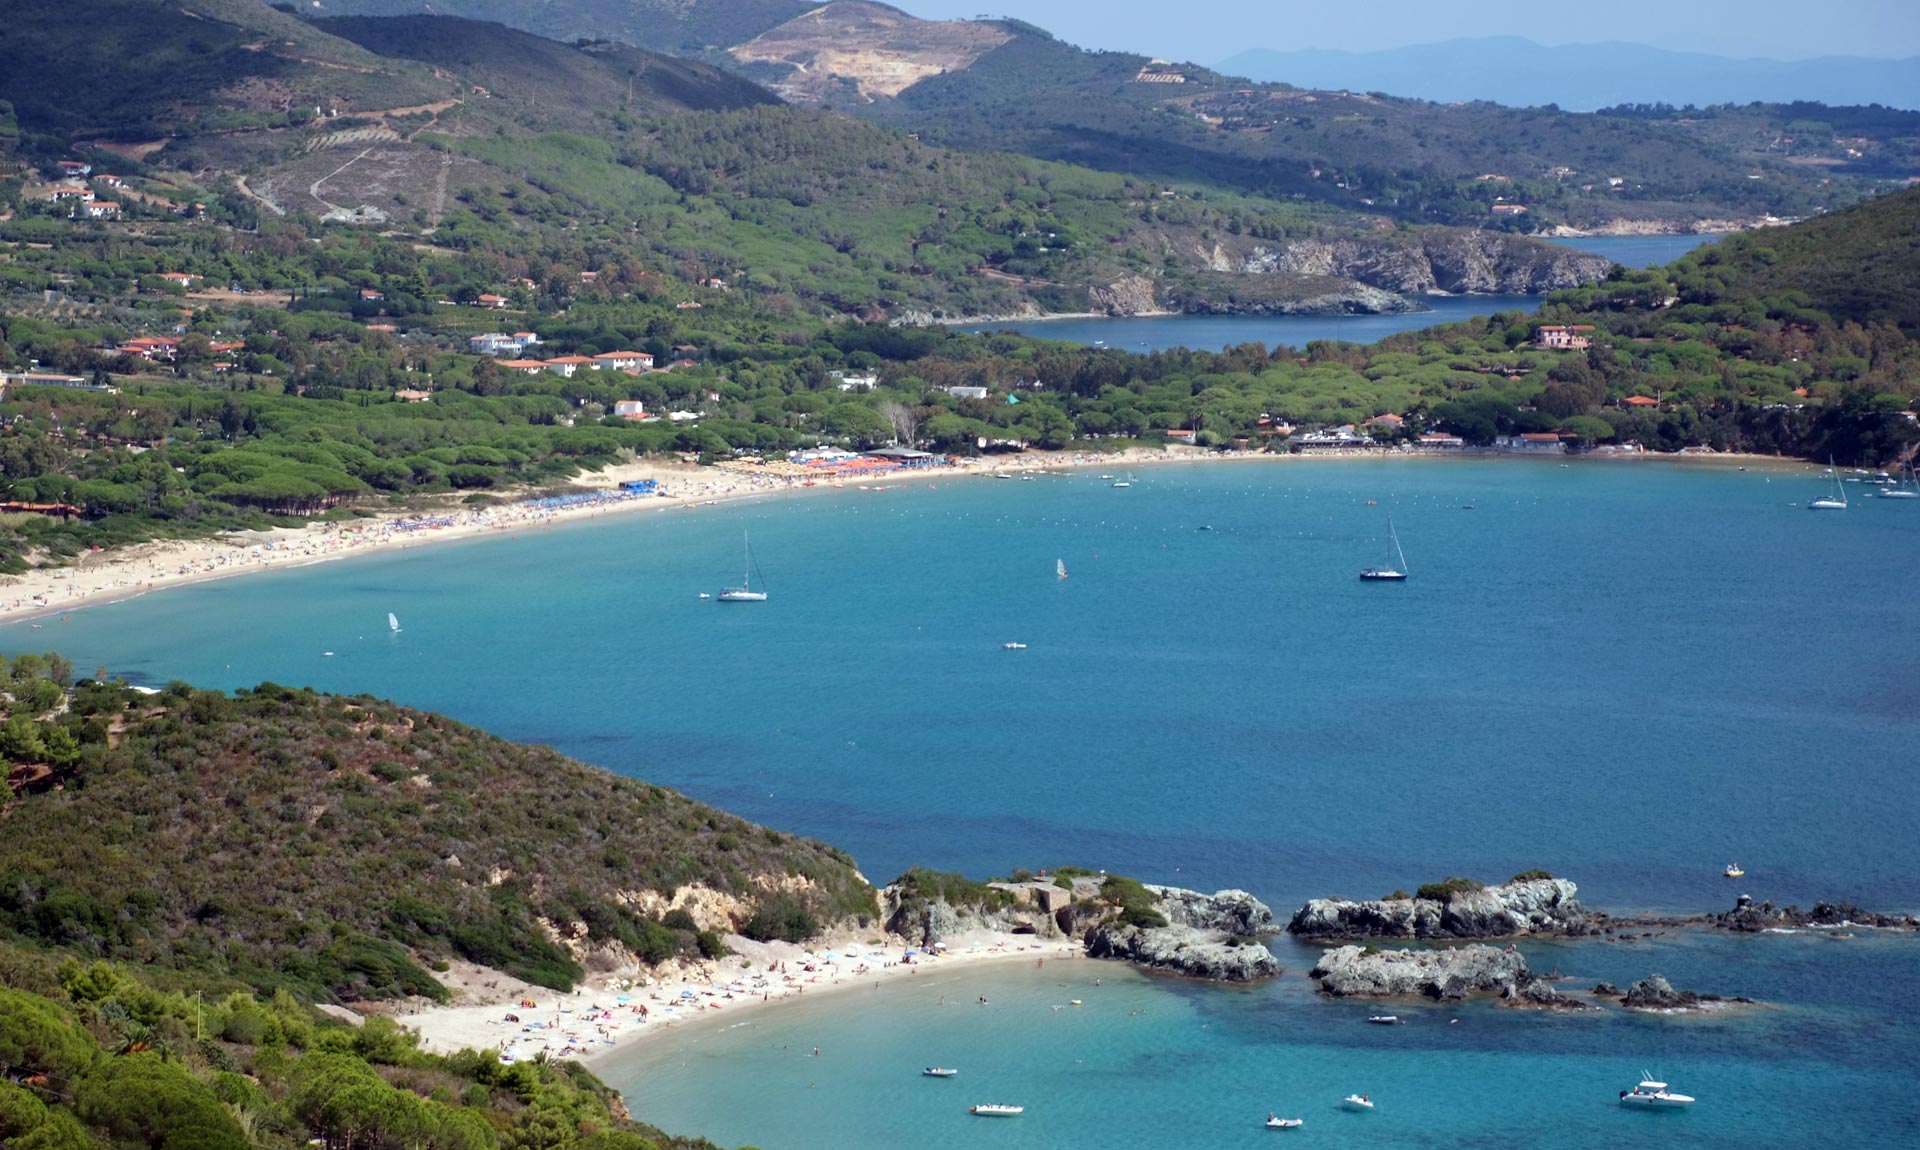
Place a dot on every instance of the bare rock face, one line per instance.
(1128, 295)
(1227, 911)
(1351, 972)
(1184, 950)
(1450, 260)
(1545, 906)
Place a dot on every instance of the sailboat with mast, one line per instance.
(1836, 501)
(1388, 572)
(745, 592)
(1059, 568)
(1905, 487)
(393, 623)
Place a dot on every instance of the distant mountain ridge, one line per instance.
(1517, 72)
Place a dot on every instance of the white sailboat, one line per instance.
(1905, 487)
(1059, 568)
(745, 592)
(393, 622)
(1834, 502)
(1127, 482)
(1388, 571)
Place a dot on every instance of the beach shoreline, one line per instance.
(148, 568)
(611, 1014)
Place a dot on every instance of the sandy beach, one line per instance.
(613, 1012)
(111, 576)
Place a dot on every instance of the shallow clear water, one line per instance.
(1627, 672)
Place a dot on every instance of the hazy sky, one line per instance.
(1205, 31)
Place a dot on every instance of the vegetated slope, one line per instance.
(544, 82)
(662, 25)
(1860, 265)
(1414, 160)
(288, 838)
(134, 68)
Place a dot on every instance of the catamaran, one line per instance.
(393, 622)
(1389, 571)
(745, 592)
(1834, 502)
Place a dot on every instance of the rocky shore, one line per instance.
(1530, 907)
(1168, 929)
(1749, 916)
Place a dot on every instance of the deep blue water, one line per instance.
(1213, 332)
(1640, 251)
(1210, 333)
(1626, 672)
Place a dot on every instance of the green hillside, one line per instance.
(1861, 265)
(134, 69)
(546, 83)
(333, 846)
(1410, 158)
(660, 25)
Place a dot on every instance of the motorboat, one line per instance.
(996, 1110)
(1733, 871)
(1127, 482)
(1384, 1019)
(1653, 1095)
(1013, 646)
(939, 1072)
(1275, 1122)
(1357, 1102)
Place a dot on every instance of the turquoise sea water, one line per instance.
(1627, 672)
(1640, 251)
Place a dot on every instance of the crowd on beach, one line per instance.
(521, 1022)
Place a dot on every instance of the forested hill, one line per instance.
(1861, 265)
(337, 846)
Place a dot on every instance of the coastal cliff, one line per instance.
(1539, 906)
(1420, 262)
(1211, 936)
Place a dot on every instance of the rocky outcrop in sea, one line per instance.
(1750, 916)
(1546, 906)
(1212, 936)
(1454, 973)
(1655, 993)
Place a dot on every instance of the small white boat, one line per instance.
(1357, 1102)
(1127, 482)
(1107, 477)
(996, 1110)
(939, 1072)
(704, 595)
(393, 622)
(1013, 646)
(1059, 568)
(1277, 1123)
(1384, 1019)
(1733, 871)
(1653, 1095)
